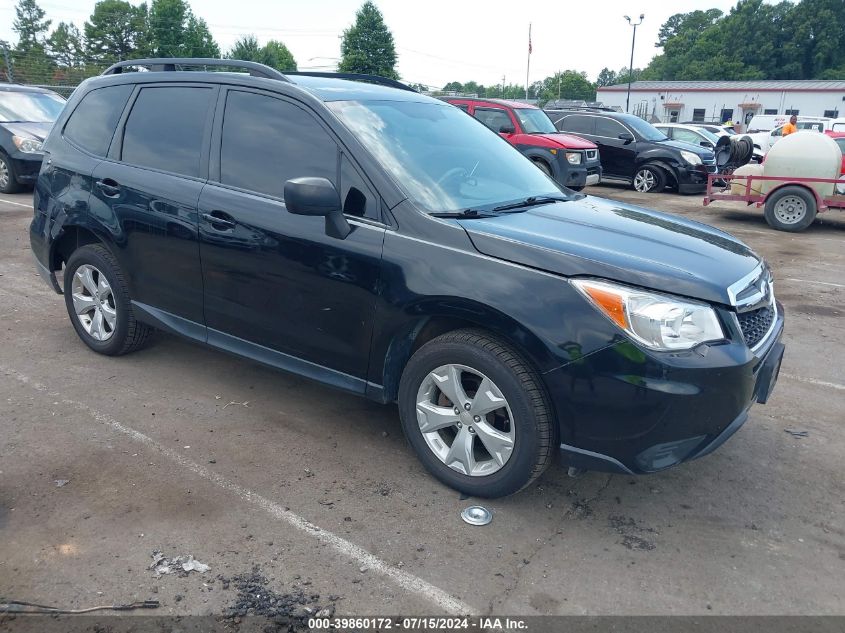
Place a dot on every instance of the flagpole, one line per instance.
(528, 64)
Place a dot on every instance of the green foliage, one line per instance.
(274, 54)
(30, 25)
(606, 77)
(367, 45)
(65, 45)
(197, 39)
(174, 31)
(116, 31)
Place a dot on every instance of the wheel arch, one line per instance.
(70, 239)
(800, 185)
(538, 154)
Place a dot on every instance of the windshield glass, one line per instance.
(35, 107)
(644, 128)
(444, 160)
(713, 138)
(535, 121)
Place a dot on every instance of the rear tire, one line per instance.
(791, 209)
(513, 406)
(98, 303)
(8, 182)
(649, 179)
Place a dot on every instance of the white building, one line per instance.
(721, 101)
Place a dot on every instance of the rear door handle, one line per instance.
(109, 187)
(219, 220)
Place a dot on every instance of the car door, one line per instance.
(618, 156)
(277, 287)
(149, 184)
(497, 119)
(692, 137)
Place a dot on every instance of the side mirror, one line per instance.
(506, 128)
(317, 196)
(706, 144)
(627, 137)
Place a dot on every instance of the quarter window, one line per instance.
(92, 123)
(166, 127)
(267, 141)
(609, 128)
(578, 123)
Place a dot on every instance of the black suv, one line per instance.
(384, 243)
(26, 116)
(634, 151)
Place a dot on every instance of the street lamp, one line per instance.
(631, 65)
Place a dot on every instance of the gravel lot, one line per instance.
(190, 451)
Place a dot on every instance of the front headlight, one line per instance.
(657, 321)
(27, 145)
(574, 158)
(690, 157)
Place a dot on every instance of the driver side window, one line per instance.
(778, 132)
(494, 118)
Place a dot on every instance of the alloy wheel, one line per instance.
(5, 176)
(644, 181)
(94, 303)
(790, 209)
(465, 420)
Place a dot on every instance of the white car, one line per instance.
(701, 135)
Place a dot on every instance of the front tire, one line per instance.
(543, 166)
(649, 179)
(8, 182)
(791, 209)
(476, 414)
(98, 303)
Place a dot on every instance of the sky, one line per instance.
(437, 41)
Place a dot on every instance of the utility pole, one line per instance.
(631, 65)
(503, 86)
(559, 75)
(528, 65)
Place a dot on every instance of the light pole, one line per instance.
(631, 65)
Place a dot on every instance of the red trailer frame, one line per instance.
(722, 190)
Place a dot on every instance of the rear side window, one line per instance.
(267, 141)
(612, 129)
(92, 123)
(578, 123)
(165, 129)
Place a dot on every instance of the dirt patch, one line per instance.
(817, 310)
(633, 534)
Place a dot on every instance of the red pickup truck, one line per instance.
(570, 160)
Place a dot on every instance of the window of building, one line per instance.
(698, 114)
(791, 112)
(261, 157)
(833, 114)
(165, 129)
(92, 124)
(770, 111)
(726, 116)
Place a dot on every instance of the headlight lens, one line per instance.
(574, 158)
(659, 322)
(27, 145)
(690, 157)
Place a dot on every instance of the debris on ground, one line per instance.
(61, 483)
(796, 433)
(181, 565)
(289, 612)
(21, 606)
(243, 404)
(630, 532)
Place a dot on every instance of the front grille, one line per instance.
(591, 171)
(710, 165)
(756, 324)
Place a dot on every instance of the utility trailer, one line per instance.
(792, 205)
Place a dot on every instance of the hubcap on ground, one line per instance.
(644, 181)
(465, 420)
(790, 209)
(4, 174)
(93, 302)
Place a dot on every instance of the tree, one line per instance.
(197, 40)
(116, 31)
(167, 27)
(274, 54)
(368, 46)
(569, 84)
(246, 48)
(65, 45)
(30, 26)
(607, 78)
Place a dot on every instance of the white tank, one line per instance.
(804, 155)
(738, 185)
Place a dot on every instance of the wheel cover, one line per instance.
(644, 181)
(4, 174)
(93, 302)
(790, 209)
(465, 420)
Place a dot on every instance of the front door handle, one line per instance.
(109, 187)
(219, 220)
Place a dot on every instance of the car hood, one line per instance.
(601, 238)
(38, 131)
(567, 141)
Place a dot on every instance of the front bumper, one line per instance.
(26, 166)
(693, 178)
(624, 410)
(585, 174)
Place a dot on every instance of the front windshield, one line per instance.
(535, 121)
(444, 160)
(708, 135)
(644, 128)
(37, 107)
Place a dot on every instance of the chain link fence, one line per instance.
(44, 70)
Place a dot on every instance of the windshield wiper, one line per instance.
(466, 213)
(530, 202)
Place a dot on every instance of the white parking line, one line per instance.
(813, 381)
(362, 557)
(821, 283)
(17, 204)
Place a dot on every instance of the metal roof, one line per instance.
(809, 85)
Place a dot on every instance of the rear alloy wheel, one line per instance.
(791, 209)
(649, 180)
(476, 414)
(8, 184)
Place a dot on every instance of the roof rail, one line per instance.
(373, 79)
(172, 64)
(583, 108)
